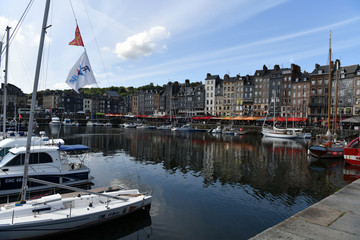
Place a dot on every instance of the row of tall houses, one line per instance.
(278, 91)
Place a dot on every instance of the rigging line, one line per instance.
(97, 45)
(73, 11)
(49, 46)
(17, 27)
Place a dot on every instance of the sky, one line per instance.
(135, 43)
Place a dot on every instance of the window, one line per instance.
(35, 158)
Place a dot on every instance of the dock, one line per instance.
(335, 217)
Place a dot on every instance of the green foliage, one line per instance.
(122, 91)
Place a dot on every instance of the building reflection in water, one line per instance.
(268, 165)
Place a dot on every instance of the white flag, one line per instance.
(81, 74)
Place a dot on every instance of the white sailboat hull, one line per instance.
(276, 133)
(65, 214)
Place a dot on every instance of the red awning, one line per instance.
(202, 117)
(290, 119)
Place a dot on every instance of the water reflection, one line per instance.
(267, 164)
(255, 182)
(136, 225)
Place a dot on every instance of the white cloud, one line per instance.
(62, 85)
(142, 44)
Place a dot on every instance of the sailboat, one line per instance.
(277, 132)
(56, 213)
(328, 146)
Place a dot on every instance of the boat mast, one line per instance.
(329, 91)
(6, 76)
(336, 95)
(33, 101)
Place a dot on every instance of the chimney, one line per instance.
(265, 68)
(276, 67)
(337, 64)
(187, 82)
(317, 66)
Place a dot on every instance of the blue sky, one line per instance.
(134, 43)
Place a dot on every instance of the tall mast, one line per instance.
(6, 76)
(337, 66)
(329, 91)
(33, 100)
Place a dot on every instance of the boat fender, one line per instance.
(90, 204)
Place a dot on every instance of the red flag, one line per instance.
(78, 40)
(19, 117)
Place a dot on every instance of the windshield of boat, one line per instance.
(6, 158)
(3, 152)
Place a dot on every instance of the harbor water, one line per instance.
(204, 186)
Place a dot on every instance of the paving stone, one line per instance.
(348, 223)
(320, 214)
(335, 217)
(275, 233)
(308, 230)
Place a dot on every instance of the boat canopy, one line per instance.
(77, 147)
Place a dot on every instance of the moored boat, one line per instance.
(278, 132)
(352, 152)
(55, 121)
(326, 147)
(47, 162)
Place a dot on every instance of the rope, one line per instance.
(12, 36)
(45, 69)
(73, 11)
(96, 42)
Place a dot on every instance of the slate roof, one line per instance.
(112, 94)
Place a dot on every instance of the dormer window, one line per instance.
(320, 71)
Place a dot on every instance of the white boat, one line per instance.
(108, 124)
(89, 124)
(47, 162)
(8, 143)
(184, 128)
(300, 133)
(141, 126)
(278, 132)
(55, 213)
(217, 130)
(129, 125)
(228, 131)
(67, 122)
(275, 132)
(55, 121)
(98, 124)
(164, 127)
